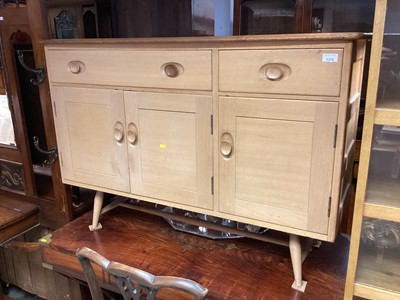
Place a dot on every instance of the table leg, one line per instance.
(97, 205)
(297, 260)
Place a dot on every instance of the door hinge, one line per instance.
(212, 185)
(55, 108)
(61, 159)
(329, 206)
(212, 124)
(335, 136)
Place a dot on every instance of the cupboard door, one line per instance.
(91, 137)
(170, 147)
(276, 160)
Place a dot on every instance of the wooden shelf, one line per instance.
(382, 199)
(388, 112)
(366, 291)
(386, 116)
(382, 212)
(374, 274)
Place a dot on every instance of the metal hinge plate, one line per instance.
(329, 206)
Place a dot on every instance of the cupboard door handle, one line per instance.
(76, 67)
(226, 146)
(132, 134)
(172, 69)
(119, 132)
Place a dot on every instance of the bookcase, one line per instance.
(374, 259)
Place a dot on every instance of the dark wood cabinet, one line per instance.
(25, 175)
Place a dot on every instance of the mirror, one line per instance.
(7, 136)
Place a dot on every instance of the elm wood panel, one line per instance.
(92, 150)
(263, 160)
(16, 217)
(342, 36)
(172, 133)
(230, 269)
(191, 70)
(299, 71)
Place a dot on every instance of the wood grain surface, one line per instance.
(230, 269)
(16, 217)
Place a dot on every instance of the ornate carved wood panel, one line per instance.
(11, 176)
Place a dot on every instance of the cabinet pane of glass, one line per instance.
(6, 124)
(342, 15)
(267, 17)
(384, 172)
(389, 79)
(379, 256)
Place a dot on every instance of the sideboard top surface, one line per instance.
(307, 37)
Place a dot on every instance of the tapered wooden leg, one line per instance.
(97, 205)
(297, 260)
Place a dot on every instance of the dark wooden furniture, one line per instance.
(15, 218)
(302, 16)
(24, 188)
(21, 28)
(230, 269)
(133, 283)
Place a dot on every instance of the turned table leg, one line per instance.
(297, 260)
(97, 205)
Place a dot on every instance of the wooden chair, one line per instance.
(134, 284)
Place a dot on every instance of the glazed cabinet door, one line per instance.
(276, 160)
(90, 127)
(170, 147)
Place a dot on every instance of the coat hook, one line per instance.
(39, 71)
(52, 153)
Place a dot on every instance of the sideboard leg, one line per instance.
(97, 205)
(296, 256)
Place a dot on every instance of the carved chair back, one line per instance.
(133, 283)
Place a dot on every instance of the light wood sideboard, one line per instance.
(256, 129)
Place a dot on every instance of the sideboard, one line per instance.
(256, 129)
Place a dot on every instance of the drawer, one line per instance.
(281, 71)
(127, 67)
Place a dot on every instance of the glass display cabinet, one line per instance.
(374, 262)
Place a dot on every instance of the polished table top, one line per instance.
(16, 217)
(230, 269)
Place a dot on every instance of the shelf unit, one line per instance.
(374, 260)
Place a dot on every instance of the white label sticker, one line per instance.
(329, 57)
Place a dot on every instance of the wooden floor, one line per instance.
(230, 269)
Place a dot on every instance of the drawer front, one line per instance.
(138, 68)
(314, 72)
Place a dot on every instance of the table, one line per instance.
(16, 217)
(230, 269)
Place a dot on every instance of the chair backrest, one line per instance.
(133, 283)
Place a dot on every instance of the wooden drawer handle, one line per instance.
(274, 72)
(226, 146)
(132, 134)
(76, 67)
(172, 69)
(119, 132)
